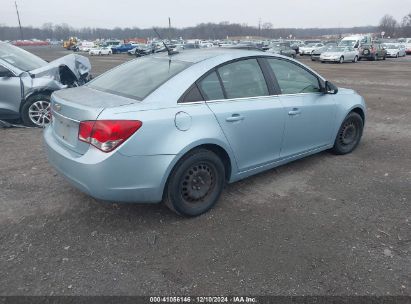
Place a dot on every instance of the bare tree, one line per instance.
(389, 25)
(406, 26)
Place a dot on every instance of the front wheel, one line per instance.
(355, 59)
(195, 183)
(341, 60)
(36, 111)
(349, 134)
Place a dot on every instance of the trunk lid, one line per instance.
(71, 106)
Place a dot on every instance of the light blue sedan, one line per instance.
(178, 128)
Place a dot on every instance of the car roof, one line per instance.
(198, 55)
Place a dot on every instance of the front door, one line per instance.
(10, 94)
(309, 114)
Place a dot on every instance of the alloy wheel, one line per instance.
(39, 113)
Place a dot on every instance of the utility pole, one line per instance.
(18, 18)
(259, 27)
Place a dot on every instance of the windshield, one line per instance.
(138, 78)
(20, 58)
(311, 44)
(348, 42)
(337, 49)
(392, 46)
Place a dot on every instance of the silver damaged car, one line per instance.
(178, 128)
(27, 81)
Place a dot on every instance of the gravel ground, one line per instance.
(324, 225)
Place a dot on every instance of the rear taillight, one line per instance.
(107, 135)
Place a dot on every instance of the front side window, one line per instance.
(243, 79)
(5, 72)
(138, 78)
(211, 88)
(292, 78)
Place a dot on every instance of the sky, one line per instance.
(183, 13)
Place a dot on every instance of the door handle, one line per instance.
(234, 118)
(294, 111)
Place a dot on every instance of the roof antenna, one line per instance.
(170, 52)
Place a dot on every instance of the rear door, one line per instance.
(309, 114)
(250, 115)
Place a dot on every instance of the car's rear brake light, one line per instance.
(107, 135)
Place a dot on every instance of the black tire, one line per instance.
(196, 183)
(25, 109)
(355, 59)
(349, 134)
(341, 60)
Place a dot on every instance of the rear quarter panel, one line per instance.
(159, 134)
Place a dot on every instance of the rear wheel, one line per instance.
(349, 134)
(36, 111)
(195, 183)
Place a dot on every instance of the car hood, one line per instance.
(79, 65)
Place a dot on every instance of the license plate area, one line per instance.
(65, 129)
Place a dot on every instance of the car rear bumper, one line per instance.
(110, 176)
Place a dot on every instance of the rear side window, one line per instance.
(138, 78)
(292, 78)
(211, 88)
(192, 95)
(243, 79)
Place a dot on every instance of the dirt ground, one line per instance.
(324, 225)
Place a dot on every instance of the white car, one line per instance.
(309, 48)
(395, 50)
(340, 54)
(100, 51)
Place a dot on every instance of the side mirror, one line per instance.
(330, 88)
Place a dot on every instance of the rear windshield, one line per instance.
(138, 78)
